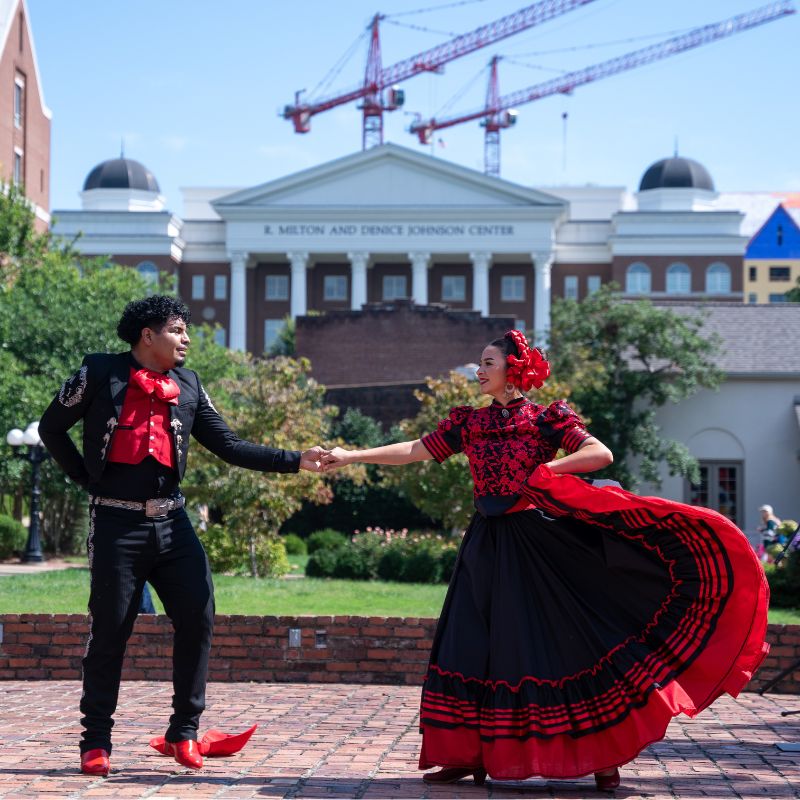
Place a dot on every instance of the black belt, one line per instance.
(155, 507)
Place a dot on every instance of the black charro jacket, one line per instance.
(95, 394)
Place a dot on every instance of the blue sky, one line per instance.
(194, 87)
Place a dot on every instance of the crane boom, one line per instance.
(565, 84)
(377, 79)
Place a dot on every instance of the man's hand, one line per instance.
(338, 457)
(309, 459)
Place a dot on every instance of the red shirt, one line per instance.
(144, 423)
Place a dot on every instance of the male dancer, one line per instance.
(138, 409)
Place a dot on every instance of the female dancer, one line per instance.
(579, 620)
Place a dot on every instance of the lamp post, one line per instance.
(36, 455)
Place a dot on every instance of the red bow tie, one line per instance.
(157, 383)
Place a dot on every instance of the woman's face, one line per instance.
(492, 371)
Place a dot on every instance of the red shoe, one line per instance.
(186, 753)
(607, 783)
(453, 774)
(95, 762)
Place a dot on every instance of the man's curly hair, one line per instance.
(149, 312)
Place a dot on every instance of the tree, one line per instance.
(624, 360)
(793, 295)
(273, 402)
(54, 307)
(444, 491)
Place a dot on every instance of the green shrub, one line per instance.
(352, 563)
(294, 545)
(326, 539)
(784, 581)
(12, 536)
(786, 529)
(391, 563)
(230, 553)
(422, 566)
(321, 564)
(447, 562)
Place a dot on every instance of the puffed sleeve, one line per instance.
(447, 439)
(562, 427)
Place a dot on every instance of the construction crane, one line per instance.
(498, 112)
(378, 79)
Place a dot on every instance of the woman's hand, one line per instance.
(338, 457)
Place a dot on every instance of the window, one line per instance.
(780, 274)
(593, 283)
(19, 90)
(718, 278)
(679, 279)
(277, 287)
(220, 287)
(272, 329)
(777, 298)
(520, 325)
(198, 287)
(752, 297)
(394, 287)
(571, 287)
(637, 278)
(780, 235)
(454, 288)
(752, 273)
(17, 166)
(512, 288)
(220, 336)
(720, 488)
(149, 271)
(334, 287)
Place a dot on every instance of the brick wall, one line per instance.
(390, 650)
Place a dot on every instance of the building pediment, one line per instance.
(390, 177)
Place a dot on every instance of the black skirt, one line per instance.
(573, 633)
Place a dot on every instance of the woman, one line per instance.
(579, 620)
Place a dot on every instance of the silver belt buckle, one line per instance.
(158, 507)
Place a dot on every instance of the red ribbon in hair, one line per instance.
(531, 368)
(157, 383)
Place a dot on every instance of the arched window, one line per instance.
(637, 279)
(149, 271)
(718, 278)
(679, 279)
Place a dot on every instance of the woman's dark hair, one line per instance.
(506, 345)
(149, 312)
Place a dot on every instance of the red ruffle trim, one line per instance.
(725, 665)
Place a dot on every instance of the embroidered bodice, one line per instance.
(505, 444)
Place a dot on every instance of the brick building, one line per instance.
(24, 117)
(390, 223)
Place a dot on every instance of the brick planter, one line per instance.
(390, 650)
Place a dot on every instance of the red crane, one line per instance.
(498, 111)
(377, 79)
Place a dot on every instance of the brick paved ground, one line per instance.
(360, 741)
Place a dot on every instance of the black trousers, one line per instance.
(125, 550)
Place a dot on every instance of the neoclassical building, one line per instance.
(391, 223)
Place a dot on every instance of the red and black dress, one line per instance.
(579, 620)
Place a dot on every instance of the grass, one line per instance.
(66, 592)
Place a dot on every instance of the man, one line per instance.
(138, 409)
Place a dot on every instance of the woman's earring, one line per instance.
(510, 388)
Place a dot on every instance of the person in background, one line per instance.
(769, 531)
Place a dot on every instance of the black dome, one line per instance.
(676, 173)
(121, 173)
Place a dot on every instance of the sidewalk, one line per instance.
(16, 567)
(344, 741)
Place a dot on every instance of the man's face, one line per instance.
(168, 346)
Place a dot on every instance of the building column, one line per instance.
(358, 279)
(480, 281)
(542, 264)
(419, 277)
(238, 322)
(298, 294)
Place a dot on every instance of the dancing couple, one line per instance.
(578, 621)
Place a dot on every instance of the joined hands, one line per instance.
(319, 459)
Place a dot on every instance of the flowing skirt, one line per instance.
(572, 634)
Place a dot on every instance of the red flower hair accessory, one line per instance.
(531, 368)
